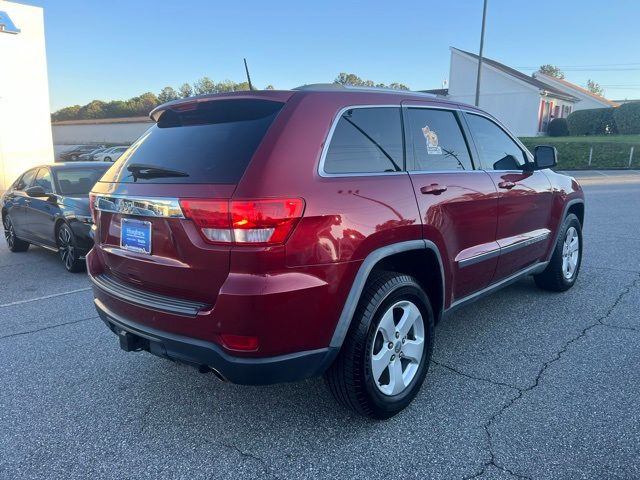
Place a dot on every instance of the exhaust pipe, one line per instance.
(207, 369)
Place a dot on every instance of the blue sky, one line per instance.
(118, 49)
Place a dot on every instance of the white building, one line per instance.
(523, 103)
(585, 99)
(25, 122)
(99, 131)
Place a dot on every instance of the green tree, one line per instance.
(398, 86)
(185, 90)
(224, 87)
(167, 94)
(354, 80)
(67, 113)
(93, 109)
(349, 79)
(204, 86)
(241, 87)
(552, 71)
(116, 109)
(595, 87)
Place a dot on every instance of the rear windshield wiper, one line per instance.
(140, 170)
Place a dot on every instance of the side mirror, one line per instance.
(545, 156)
(36, 191)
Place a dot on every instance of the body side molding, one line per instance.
(531, 270)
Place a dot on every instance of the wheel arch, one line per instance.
(59, 222)
(419, 258)
(577, 208)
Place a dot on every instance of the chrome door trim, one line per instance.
(467, 262)
(162, 207)
(327, 142)
(502, 250)
(524, 243)
(451, 108)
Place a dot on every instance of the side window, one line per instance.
(366, 140)
(16, 184)
(496, 149)
(438, 143)
(43, 179)
(27, 178)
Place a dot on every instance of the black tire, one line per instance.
(67, 249)
(74, 158)
(350, 379)
(107, 159)
(554, 278)
(13, 242)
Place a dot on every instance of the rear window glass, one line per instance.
(79, 180)
(212, 143)
(366, 140)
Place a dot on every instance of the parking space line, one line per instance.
(49, 327)
(53, 295)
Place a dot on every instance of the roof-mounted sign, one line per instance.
(6, 25)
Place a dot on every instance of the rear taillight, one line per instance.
(246, 222)
(211, 216)
(92, 206)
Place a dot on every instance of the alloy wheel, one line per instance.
(397, 347)
(570, 253)
(66, 248)
(9, 233)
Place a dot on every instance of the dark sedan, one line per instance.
(48, 206)
(74, 154)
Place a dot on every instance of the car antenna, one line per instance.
(248, 77)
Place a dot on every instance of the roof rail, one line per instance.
(339, 86)
(320, 86)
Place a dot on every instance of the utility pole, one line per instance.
(248, 77)
(484, 18)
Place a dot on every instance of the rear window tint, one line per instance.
(79, 180)
(212, 143)
(366, 140)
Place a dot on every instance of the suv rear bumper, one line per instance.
(200, 353)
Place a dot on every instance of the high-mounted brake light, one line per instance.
(248, 222)
(184, 107)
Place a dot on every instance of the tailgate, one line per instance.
(180, 263)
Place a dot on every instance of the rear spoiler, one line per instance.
(191, 103)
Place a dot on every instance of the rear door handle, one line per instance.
(433, 189)
(507, 185)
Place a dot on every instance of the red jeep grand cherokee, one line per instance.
(270, 236)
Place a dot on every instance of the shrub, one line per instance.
(627, 117)
(593, 121)
(573, 154)
(558, 127)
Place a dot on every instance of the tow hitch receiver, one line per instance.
(132, 343)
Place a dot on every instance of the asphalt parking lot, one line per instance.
(524, 384)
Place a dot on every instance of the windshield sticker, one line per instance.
(432, 141)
